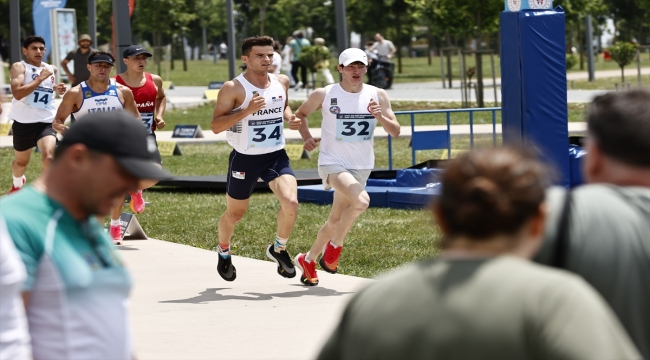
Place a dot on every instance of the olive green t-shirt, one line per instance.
(609, 246)
(490, 308)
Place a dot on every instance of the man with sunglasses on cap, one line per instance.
(351, 110)
(98, 94)
(76, 292)
(80, 58)
(150, 99)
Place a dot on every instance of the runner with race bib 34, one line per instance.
(252, 109)
(351, 110)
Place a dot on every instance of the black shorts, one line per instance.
(26, 135)
(245, 170)
(157, 157)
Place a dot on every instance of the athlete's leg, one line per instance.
(235, 210)
(285, 189)
(21, 160)
(46, 145)
(346, 185)
(326, 232)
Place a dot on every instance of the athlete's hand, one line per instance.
(257, 103)
(60, 89)
(160, 123)
(374, 108)
(295, 122)
(45, 73)
(311, 144)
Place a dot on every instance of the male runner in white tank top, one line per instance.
(252, 109)
(32, 109)
(351, 110)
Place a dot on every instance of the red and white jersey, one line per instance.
(145, 99)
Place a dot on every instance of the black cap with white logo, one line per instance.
(121, 135)
(134, 50)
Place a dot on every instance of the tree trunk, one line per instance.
(398, 26)
(160, 52)
(622, 75)
(479, 62)
(171, 53)
(581, 46)
(429, 47)
(262, 17)
(183, 50)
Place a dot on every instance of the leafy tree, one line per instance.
(623, 53)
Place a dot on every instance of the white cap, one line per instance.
(348, 56)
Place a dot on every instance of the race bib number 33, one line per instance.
(147, 121)
(265, 133)
(354, 127)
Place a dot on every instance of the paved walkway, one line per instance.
(182, 309)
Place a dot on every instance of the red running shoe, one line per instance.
(14, 189)
(330, 260)
(116, 234)
(309, 276)
(137, 202)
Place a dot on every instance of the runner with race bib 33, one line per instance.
(351, 110)
(252, 109)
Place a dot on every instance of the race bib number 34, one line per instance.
(41, 98)
(265, 133)
(354, 127)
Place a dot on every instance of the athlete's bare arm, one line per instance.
(17, 73)
(71, 102)
(383, 112)
(126, 95)
(161, 102)
(313, 103)
(230, 97)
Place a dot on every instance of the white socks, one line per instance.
(280, 244)
(18, 181)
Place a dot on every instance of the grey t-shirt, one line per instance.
(493, 308)
(609, 246)
(81, 72)
(383, 49)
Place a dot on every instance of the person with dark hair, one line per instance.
(297, 45)
(99, 93)
(80, 58)
(601, 231)
(251, 109)
(483, 298)
(76, 292)
(32, 108)
(151, 101)
(350, 111)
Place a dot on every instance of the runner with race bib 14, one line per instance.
(351, 110)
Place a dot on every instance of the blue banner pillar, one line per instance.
(534, 87)
(41, 15)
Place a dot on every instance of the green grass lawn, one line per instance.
(202, 115)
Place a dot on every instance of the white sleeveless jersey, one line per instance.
(263, 131)
(93, 102)
(39, 105)
(348, 128)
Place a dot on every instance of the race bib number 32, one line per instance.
(41, 98)
(265, 133)
(354, 127)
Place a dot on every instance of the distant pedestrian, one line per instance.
(483, 298)
(286, 60)
(223, 49)
(385, 51)
(80, 58)
(276, 64)
(372, 60)
(297, 45)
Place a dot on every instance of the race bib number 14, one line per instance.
(265, 133)
(41, 98)
(354, 127)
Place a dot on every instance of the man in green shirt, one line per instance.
(77, 289)
(606, 239)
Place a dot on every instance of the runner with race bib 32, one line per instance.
(351, 110)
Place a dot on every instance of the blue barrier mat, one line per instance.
(392, 197)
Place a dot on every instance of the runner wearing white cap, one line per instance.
(351, 110)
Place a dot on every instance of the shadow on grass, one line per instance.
(212, 294)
